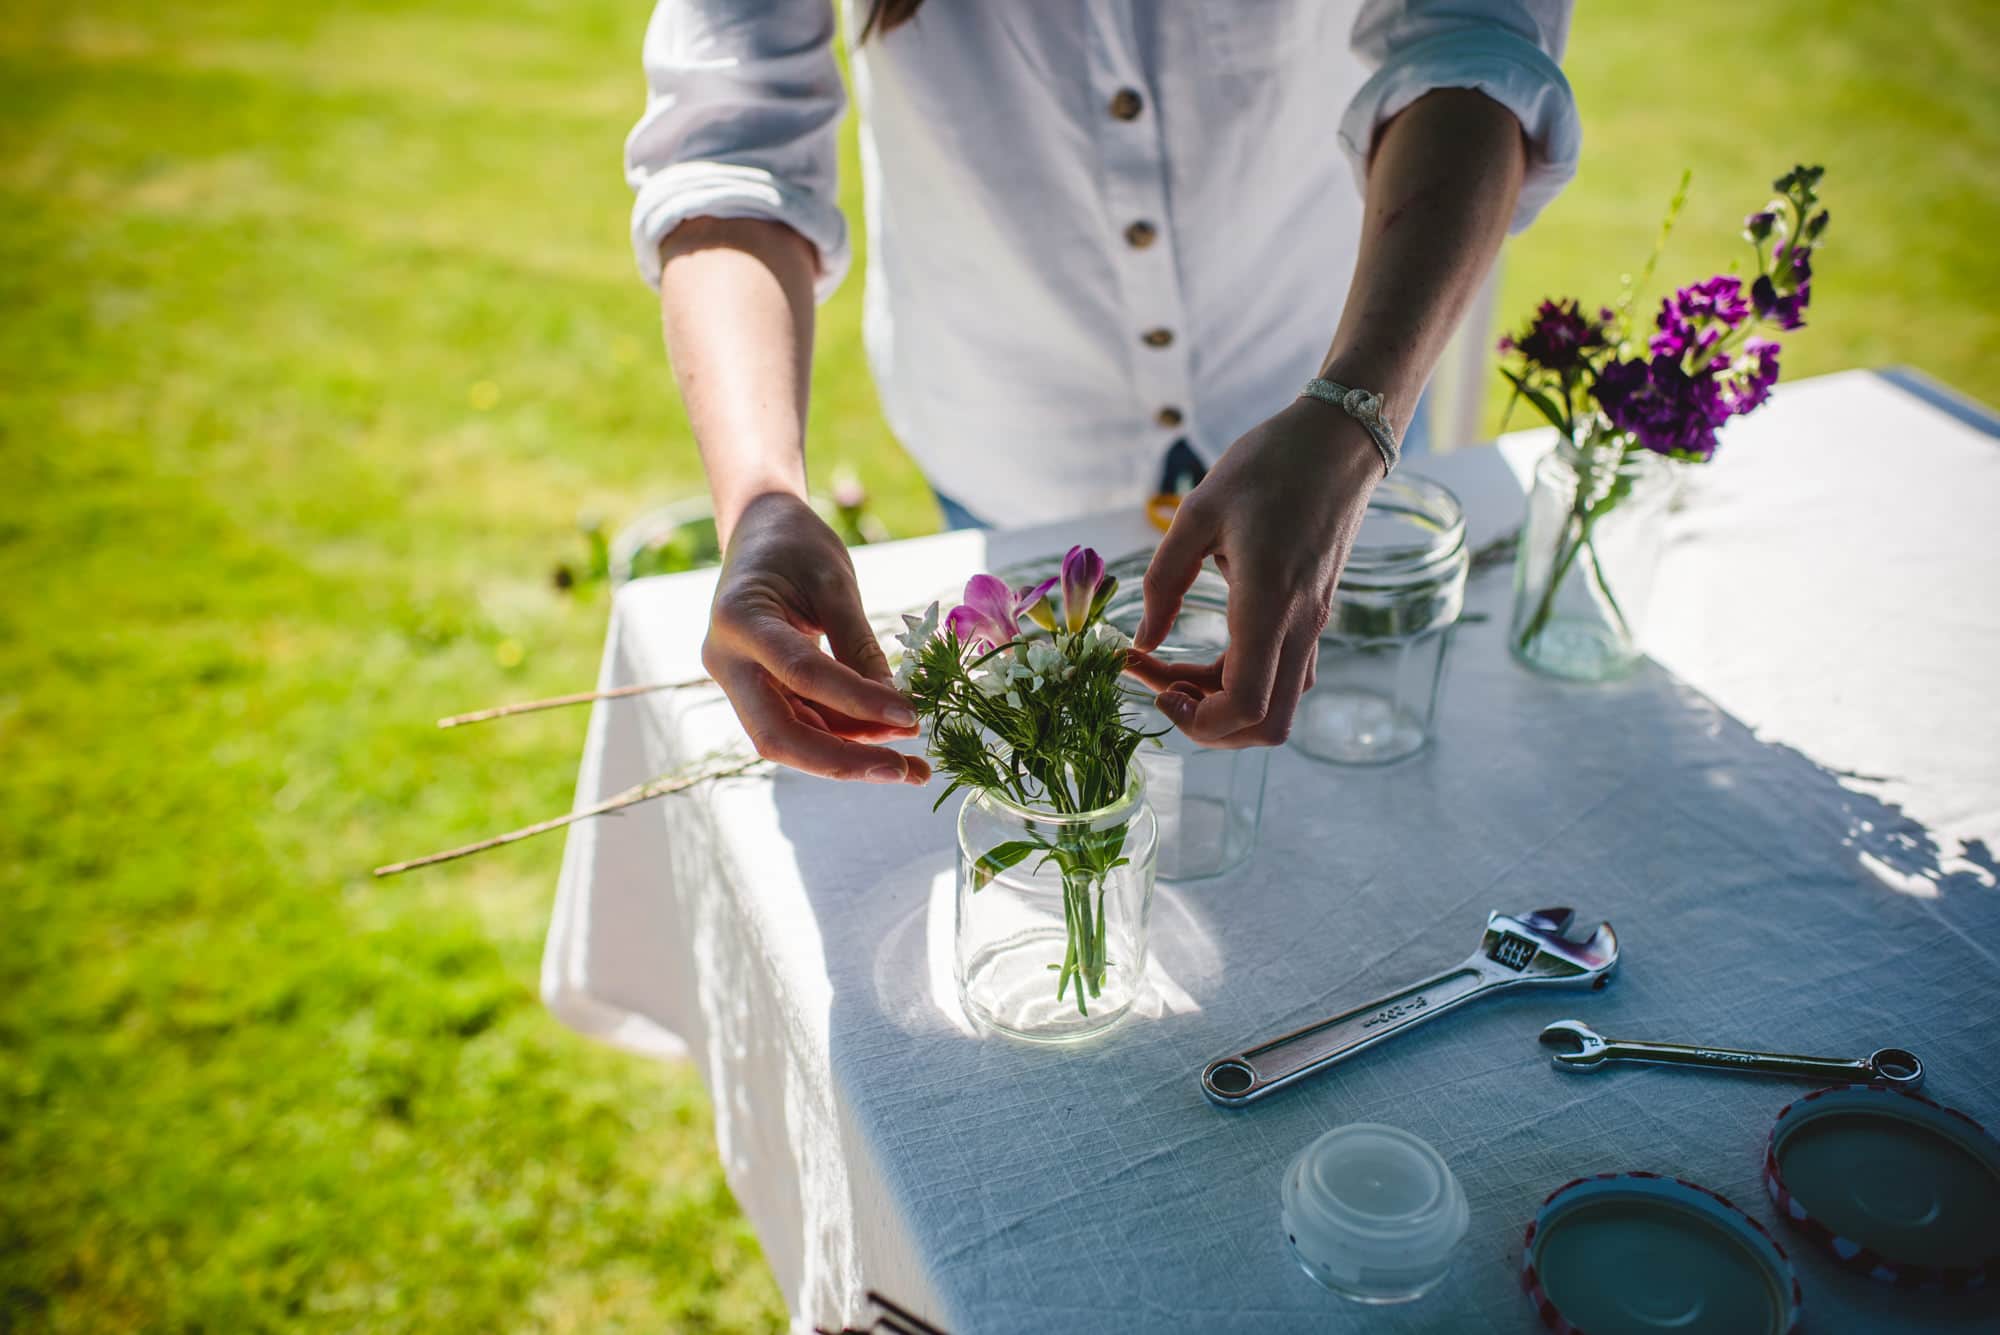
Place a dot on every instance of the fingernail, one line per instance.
(1173, 702)
(902, 716)
(886, 774)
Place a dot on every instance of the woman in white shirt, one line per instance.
(1102, 234)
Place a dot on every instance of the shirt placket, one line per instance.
(1133, 177)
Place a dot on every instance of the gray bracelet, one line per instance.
(1365, 407)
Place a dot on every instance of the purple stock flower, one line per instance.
(1787, 310)
(990, 615)
(1082, 579)
(1695, 318)
(1668, 410)
(1559, 338)
(1749, 382)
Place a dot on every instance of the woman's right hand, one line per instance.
(786, 580)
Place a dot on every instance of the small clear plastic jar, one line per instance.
(1373, 1213)
(1208, 802)
(1382, 655)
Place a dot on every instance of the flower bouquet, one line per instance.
(1021, 707)
(1628, 404)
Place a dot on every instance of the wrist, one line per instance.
(1345, 443)
(735, 497)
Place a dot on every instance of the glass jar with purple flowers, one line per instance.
(1589, 550)
(1631, 402)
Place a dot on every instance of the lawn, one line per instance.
(319, 333)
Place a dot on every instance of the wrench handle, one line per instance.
(1255, 1072)
(1734, 1059)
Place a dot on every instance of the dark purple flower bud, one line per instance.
(1786, 310)
(1560, 337)
(1758, 225)
(1817, 224)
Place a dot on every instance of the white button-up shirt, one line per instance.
(1094, 228)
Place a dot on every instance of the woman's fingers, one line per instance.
(1163, 675)
(795, 659)
(782, 734)
(1257, 630)
(845, 621)
(1172, 571)
(1295, 673)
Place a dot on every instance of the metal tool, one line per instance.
(1544, 947)
(1584, 1049)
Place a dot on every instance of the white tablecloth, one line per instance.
(1792, 830)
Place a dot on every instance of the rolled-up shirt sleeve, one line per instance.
(743, 102)
(1507, 49)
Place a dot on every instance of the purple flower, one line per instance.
(1749, 382)
(1759, 225)
(1082, 584)
(1668, 410)
(1560, 337)
(1695, 318)
(990, 615)
(1787, 310)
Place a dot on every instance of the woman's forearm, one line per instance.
(736, 302)
(1441, 189)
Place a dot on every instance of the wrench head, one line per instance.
(1578, 1046)
(1899, 1068)
(1551, 946)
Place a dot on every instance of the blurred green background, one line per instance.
(317, 330)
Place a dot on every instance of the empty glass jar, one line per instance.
(1208, 803)
(1382, 655)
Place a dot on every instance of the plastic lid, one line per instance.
(1641, 1252)
(1373, 1210)
(1892, 1185)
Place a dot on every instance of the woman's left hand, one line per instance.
(1278, 512)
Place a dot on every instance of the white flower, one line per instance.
(1014, 699)
(1106, 633)
(905, 666)
(988, 682)
(919, 629)
(1044, 658)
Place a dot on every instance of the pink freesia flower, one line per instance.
(990, 615)
(1082, 576)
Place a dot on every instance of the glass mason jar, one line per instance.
(1052, 913)
(1590, 547)
(1382, 655)
(1208, 802)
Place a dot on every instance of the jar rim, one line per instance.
(1130, 799)
(1427, 509)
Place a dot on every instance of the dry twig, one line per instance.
(722, 766)
(576, 698)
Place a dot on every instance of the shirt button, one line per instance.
(1126, 104)
(1168, 417)
(1157, 338)
(1140, 235)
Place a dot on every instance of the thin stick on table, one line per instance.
(575, 698)
(718, 767)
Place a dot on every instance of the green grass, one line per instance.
(317, 331)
